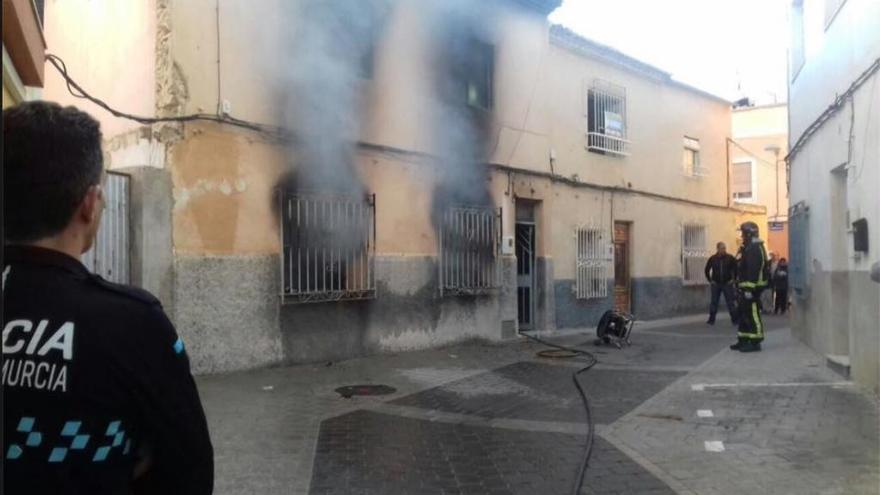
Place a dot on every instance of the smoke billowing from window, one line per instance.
(463, 50)
(329, 56)
(329, 61)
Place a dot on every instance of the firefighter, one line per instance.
(752, 275)
(97, 386)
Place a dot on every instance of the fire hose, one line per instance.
(560, 351)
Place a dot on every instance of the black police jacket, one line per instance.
(95, 383)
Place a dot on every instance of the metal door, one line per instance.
(109, 255)
(622, 281)
(525, 275)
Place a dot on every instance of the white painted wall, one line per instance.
(841, 315)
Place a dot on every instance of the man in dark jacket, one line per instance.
(98, 395)
(752, 274)
(721, 272)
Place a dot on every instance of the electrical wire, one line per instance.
(77, 91)
(591, 427)
(832, 109)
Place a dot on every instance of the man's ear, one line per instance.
(90, 208)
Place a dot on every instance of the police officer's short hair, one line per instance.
(51, 156)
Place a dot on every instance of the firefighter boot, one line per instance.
(750, 346)
(738, 345)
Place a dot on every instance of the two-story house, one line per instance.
(396, 175)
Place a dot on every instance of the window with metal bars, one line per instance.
(799, 248)
(592, 262)
(328, 247)
(606, 119)
(694, 254)
(468, 245)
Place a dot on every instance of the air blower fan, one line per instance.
(615, 328)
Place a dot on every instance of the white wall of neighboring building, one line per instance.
(836, 173)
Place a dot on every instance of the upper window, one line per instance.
(691, 158)
(798, 56)
(742, 185)
(606, 119)
(479, 69)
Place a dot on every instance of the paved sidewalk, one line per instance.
(786, 424)
(494, 418)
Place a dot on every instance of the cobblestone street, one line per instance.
(675, 413)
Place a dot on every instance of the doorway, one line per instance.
(622, 280)
(525, 265)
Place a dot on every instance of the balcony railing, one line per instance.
(605, 143)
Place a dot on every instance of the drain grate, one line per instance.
(352, 390)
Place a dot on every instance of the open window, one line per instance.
(478, 75)
(469, 242)
(327, 248)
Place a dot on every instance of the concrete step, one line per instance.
(838, 363)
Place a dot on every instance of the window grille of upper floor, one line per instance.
(469, 242)
(606, 119)
(328, 247)
(694, 254)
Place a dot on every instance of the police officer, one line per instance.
(98, 395)
(751, 281)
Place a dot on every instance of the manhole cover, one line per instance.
(351, 390)
(557, 353)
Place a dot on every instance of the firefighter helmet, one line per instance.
(749, 230)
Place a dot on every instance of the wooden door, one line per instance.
(622, 280)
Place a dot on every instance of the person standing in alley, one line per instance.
(752, 274)
(721, 273)
(98, 394)
(767, 301)
(780, 287)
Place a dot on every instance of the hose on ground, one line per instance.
(591, 427)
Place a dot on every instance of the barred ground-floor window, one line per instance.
(592, 261)
(327, 247)
(694, 254)
(469, 241)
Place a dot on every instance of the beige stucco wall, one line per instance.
(109, 49)
(658, 117)
(754, 129)
(220, 169)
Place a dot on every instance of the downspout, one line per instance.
(727, 163)
(776, 167)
